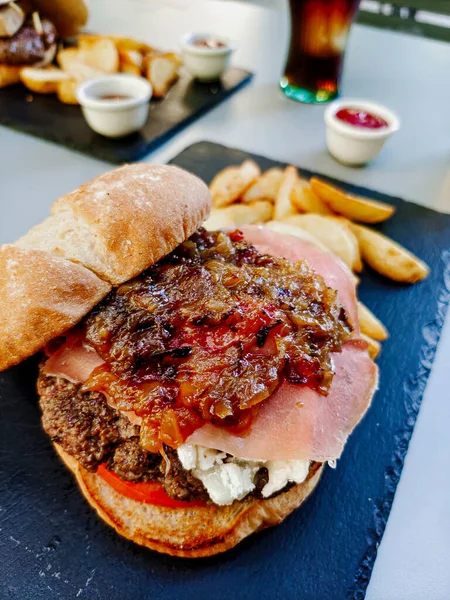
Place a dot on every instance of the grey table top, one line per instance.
(410, 75)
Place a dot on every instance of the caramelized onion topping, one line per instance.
(209, 332)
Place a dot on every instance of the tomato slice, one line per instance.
(149, 492)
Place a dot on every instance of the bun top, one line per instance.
(101, 235)
(68, 16)
(41, 296)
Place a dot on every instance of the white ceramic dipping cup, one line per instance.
(352, 144)
(115, 117)
(205, 64)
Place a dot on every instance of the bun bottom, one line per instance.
(192, 532)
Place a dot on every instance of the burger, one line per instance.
(195, 382)
(29, 32)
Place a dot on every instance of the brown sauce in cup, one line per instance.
(114, 97)
(210, 43)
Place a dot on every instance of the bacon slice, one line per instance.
(334, 272)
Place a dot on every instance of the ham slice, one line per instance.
(334, 272)
(74, 361)
(298, 423)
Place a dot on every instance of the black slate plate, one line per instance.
(53, 546)
(47, 118)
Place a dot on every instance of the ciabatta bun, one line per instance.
(192, 532)
(103, 234)
(41, 296)
(122, 222)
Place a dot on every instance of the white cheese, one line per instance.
(187, 453)
(283, 471)
(227, 482)
(234, 479)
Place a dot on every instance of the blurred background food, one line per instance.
(30, 31)
(95, 56)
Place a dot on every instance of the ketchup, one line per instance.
(360, 118)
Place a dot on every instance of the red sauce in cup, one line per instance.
(361, 118)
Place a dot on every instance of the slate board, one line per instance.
(52, 545)
(46, 117)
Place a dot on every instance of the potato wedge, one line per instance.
(230, 183)
(370, 325)
(162, 71)
(101, 55)
(388, 257)
(87, 39)
(356, 208)
(265, 187)
(43, 81)
(374, 347)
(283, 206)
(121, 43)
(259, 211)
(220, 218)
(343, 222)
(287, 229)
(66, 91)
(80, 71)
(65, 57)
(335, 236)
(125, 43)
(130, 61)
(305, 200)
(9, 74)
(240, 214)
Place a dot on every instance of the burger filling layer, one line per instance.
(91, 431)
(208, 333)
(204, 336)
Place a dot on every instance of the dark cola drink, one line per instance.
(319, 32)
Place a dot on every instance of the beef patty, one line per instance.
(92, 432)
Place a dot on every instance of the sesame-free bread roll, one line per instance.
(106, 232)
(122, 222)
(193, 532)
(41, 296)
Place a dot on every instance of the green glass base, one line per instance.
(306, 96)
